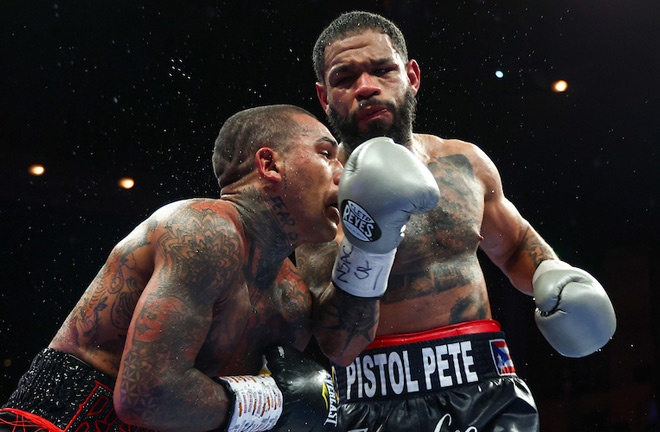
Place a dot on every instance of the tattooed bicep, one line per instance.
(201, 247)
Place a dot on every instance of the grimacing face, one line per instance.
(368, 90)
(310, 181)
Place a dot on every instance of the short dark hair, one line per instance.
(351, 24)
(245, 132)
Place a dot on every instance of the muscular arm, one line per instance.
(158, 386)
(343, 324)
(509, 240)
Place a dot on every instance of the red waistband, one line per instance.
(469, 327)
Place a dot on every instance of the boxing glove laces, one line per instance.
(293, 394)
(573, 311)
(382, 185)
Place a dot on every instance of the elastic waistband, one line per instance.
(424, 365)
(460, 329)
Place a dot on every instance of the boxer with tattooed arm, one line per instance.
(172, 333)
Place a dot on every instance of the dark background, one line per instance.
(98, 90)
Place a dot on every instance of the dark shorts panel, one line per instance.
(501, 405)
(458, 378)
(66, 392)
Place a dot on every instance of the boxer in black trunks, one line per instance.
(171, 333)
(388, 378)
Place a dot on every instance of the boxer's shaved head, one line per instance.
(247, 131)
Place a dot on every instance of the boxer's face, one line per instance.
(311, 174)
(368, 90)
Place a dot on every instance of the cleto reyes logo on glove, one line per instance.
(357, 221)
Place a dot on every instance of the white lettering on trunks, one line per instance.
(447, 418)
(388, 374)
(436, 361)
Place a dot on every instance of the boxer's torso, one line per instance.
(246, 317)
(437, 279)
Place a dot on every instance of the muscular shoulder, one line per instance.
(482, 166)
(221, 209)
(196, 216)
(436, 146)
(197, 234)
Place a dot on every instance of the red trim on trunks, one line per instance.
(469, 327)
(26, 419)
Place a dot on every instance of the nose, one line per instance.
(366, 86)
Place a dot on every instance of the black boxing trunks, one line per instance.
(62, 393)
(458, 378)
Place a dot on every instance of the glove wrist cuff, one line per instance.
(549, 265)
(361, 273)
(257, 402)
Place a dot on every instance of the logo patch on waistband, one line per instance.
(501, 357)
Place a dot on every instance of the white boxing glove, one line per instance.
(383, 183)
(573, 311)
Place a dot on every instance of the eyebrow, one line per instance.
(348, 67)
(327, 139)
(384, 60)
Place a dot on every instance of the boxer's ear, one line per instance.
(322, 95)
(266, 161)
(414, 75)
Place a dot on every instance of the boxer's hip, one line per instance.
(66, 392)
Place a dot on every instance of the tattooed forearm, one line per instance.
(536, 248)
(352, 317)
(164, 339)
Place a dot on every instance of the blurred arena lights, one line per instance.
(559, 86)
(126, 182)
(36, 169)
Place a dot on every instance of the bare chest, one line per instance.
(451, 230)
(252, 320)
(436, 279)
